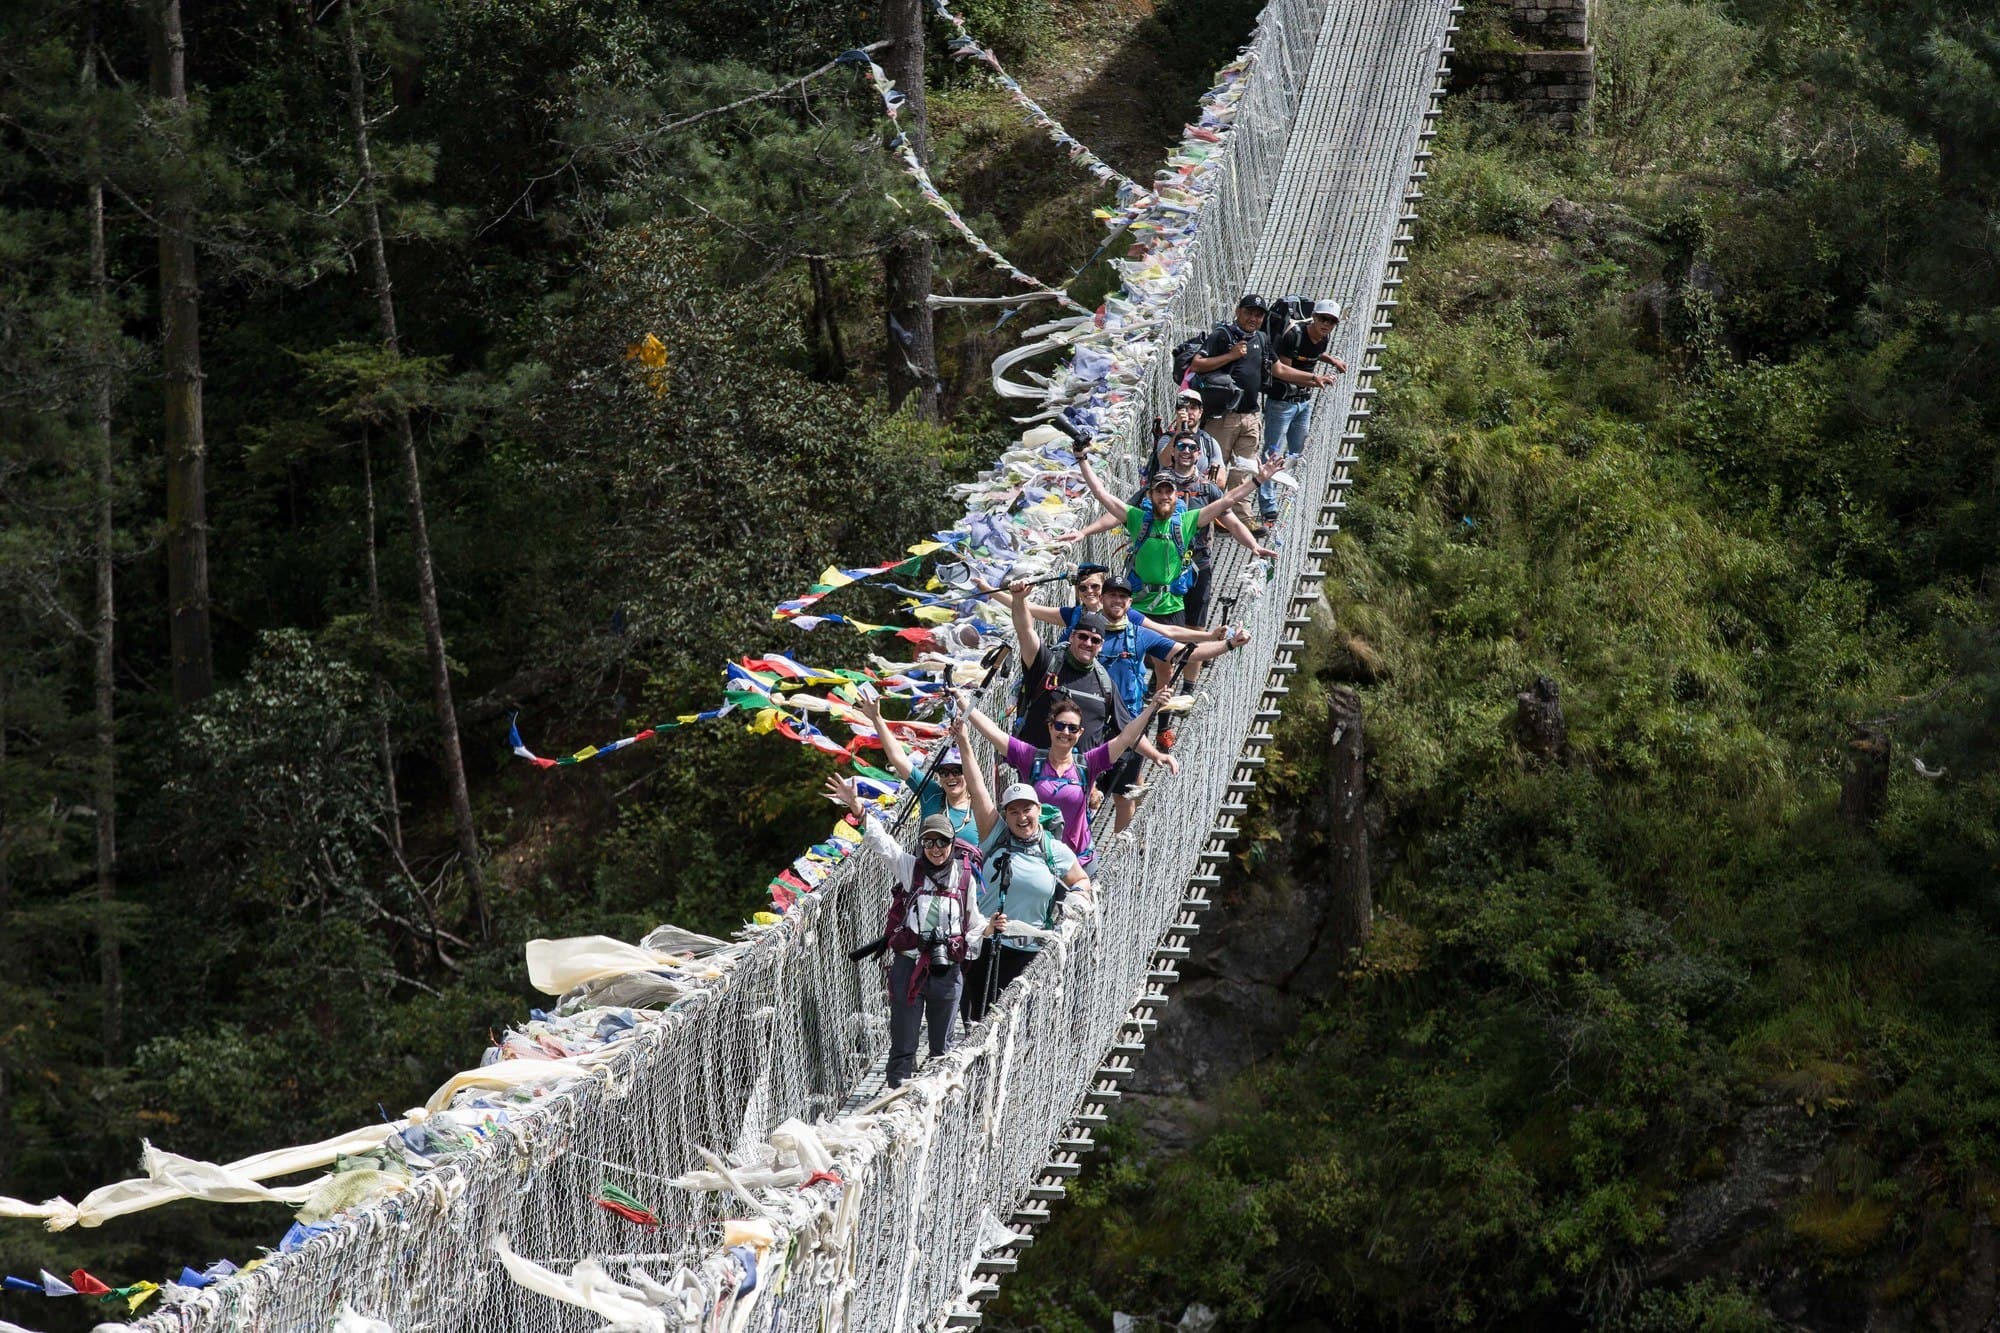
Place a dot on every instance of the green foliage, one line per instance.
(1685, 443)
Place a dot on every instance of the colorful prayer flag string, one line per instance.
(1134, 196)
(892, 105)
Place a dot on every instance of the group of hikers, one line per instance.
(973, 903)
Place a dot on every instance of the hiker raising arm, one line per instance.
(985, 815)
(1115, 508)
(947, 791)
(1215, 509)
(1230, 523)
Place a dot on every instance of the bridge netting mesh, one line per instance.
(751, 1081)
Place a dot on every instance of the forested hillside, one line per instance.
(1693, 416)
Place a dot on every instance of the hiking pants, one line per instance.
(978, 976)
(937, 1001)
(1285, 426)
(1241, 435)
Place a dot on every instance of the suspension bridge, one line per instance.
(789, 1192)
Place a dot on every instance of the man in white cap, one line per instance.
(1187, 425)
(1296, 370)
(1028, 871)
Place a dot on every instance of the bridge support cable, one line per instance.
(757, 1064)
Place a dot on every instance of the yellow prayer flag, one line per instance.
(766, 720)
(587, 752)
(925, 548)
(934, 615)
(139, 1294)
(846, 832)
(833, 578)
(766, 918)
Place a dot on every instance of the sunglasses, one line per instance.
(935, 840)
(1067, 728)
(953, 772)
(1085, 636)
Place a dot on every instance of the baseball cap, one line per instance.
(949, 759)
(1188, 395)
(937, 824)
(1085, 571)
(1252, 301)
(1090, 620)
(1331, 309)
(1118, 583)
(1020, 791)
(1163, 482)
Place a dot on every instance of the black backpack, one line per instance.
(1184, 355)
(1285, 312)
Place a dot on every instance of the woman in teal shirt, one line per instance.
(1026, 873)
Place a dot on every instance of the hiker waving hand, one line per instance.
(1162, 531)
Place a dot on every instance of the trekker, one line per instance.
(1194, 492)
(1297, 354)
(1162, 532)
(1187, 422)
(934, 926)
(1129, 649)
(950, 790)
(1070, 667)
(1028, 872)
(1063, 772)
(1230, 374)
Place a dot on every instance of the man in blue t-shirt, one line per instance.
(1129, 649)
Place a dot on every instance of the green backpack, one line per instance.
(1162, 561)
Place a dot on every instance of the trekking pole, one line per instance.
(995, 658)
(1006, 878)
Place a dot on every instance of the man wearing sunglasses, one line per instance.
(1071, 668)
(1299, 357)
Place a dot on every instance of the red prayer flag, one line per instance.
(86, 1285)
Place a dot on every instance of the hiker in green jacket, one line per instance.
(1162, 531)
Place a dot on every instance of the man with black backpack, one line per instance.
(1071, 669)
(934, 925)
(1297, 354)
(1230, 376)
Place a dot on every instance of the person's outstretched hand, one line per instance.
(842, 791)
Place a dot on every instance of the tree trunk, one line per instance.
(420, 540)
(180, 372)
(104, 776)
(1351, 915)
(1864, 789)
(907, 263)
(829, 357)
(383, 742)
(1538, 720)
